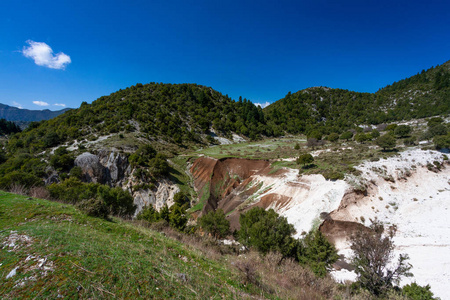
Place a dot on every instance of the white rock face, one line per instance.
(164, 194)
(308, 195)
(402, 191)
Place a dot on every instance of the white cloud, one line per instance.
(18, 105)
(40, 103)
(60, 104)
(43, 55)
(263, 104)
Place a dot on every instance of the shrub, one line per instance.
(76, 172)
(386, 141)
(181, 199)
(305, 159)
(266, 231)
(94, 208)
(346, 136)
(317, 252)
(215, 223)
(25, 179)
(142, 156)
(149, 214)
(402, 130)
(442, 141)
(362, 137)
(177, 217)
(373, 253)
(410, 141)
(72, 190)
(158, 166)
(333, 137)
(62, 162)
(416, 292)
(391, 127)
(375, 133)
(333, 175)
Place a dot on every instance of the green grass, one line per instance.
(96, 259)
(272, 148)
(202, 201)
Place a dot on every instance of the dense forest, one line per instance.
(7, 127)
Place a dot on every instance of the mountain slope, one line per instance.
(11, 113)
(51, 250)
(334, 110)
(168, 113)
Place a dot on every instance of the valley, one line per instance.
(329, 162)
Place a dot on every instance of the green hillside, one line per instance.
(59, 252)
(169, 113)
(334, 110)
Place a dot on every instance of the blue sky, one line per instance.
(66, 52)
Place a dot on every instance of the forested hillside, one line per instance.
(174, 113)
(184, 114)
(334, 110)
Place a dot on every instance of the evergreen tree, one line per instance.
(215, 223)
(317, 252)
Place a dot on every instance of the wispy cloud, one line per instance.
(43, 55)
(18, 105)
(60, 104)
(263, 104)
(41, 103)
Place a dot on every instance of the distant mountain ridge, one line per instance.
(11, 113)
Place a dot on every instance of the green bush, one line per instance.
(333, 175)
(346, 136)
(266, 231)
(94, 208)
(215, 223)
(416, 292)
(149, 214)
(402, 130)
(72, 190)
(177, 217)
(62, 162)
(386, 141)
(142, 156)
(181, 199)
(27, 180)
(317, 252)
(158, 166)
(305, 159)
(333, 137)
(442, 141)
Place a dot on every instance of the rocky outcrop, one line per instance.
(116, 167)
(113, 169)
(93, 170)
(162, 194)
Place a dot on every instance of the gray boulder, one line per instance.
(93, 170)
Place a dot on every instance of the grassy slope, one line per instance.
(93, 258)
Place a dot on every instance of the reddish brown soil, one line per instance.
(336, 230)
(278, 201)
(228, 181)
